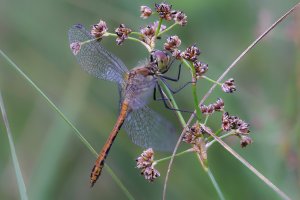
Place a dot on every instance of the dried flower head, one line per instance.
(179, 17)
(245, 141)
(219, 105)
(176, 54)
(234, 123)
(98, 30)
(150, 173)
(145, 164)
(228, 86)
(173, 42)
(75, 47)
(192, 133)
(191, 53)
(164, 10)
(145, 12)
(122, 33)
(148, 32)
(200, 68)
(226, 121)
(207, 110)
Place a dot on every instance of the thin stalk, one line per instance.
(211, 80)
(194, 88)
(167, 29)
(20, 180)
(76, 131)
(206, 119)
(169, 157)
(214, 182)
(221, 137)
(132, 39)
(158, 28)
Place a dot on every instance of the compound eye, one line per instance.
(161, 58)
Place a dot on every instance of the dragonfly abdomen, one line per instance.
(99, 164)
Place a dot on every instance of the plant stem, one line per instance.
(223, 136)
(215, 184)
(76, 131)
(167, 29)
(20, 180)
(132, 39)
(176, 155)
(194, 88)
(211, 80)
(158, 28)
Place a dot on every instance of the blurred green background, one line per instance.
(56, 165)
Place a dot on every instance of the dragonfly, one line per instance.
(144, 126)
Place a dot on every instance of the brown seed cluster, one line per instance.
(145, 164)
(179, 17)
(211, 108)
(164, 10)
(230, 122)
(191, 134)
(191, 53)
(145, 12)
(148, 32)
(229, 86)
(122, 33)
(200, 68)
(173, 42)
(98, 30)
(75, 47)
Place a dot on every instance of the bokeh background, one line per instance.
(56, 165)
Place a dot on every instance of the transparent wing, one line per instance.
(94, 58)
(148, 129)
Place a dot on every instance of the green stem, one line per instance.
(132, 39)
(206, 118)
(215, 184)
(76, 131)
(136, 33)
(158, 28)
(194, 88)
(167, 29)
(211, 80)
(20, 180)
(223, 136)
(174, 105)
(169, 157)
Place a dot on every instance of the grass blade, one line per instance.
(20, 180)
(76, 131)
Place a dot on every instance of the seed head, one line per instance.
(150, 174)
(145, 164)
(148, 32)
(235, 123)
(122, 33)
(173, 42)
(192, 133)
(98, 30)
(229, 86)
(191, 53)
(177, 54)
(164, 10)
(245, 140)
(226, 121)
(219, 105)
(207, 110)
(75, 47)
(145, 12)
(179, 17)
(200, 68)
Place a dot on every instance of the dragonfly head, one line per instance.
(161, 59)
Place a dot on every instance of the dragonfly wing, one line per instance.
(148, 129)
(94, 58)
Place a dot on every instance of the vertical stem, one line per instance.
(215, 184)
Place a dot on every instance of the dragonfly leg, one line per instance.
(166, 104)
(158, 99)
(173, 79)
(174, 91)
